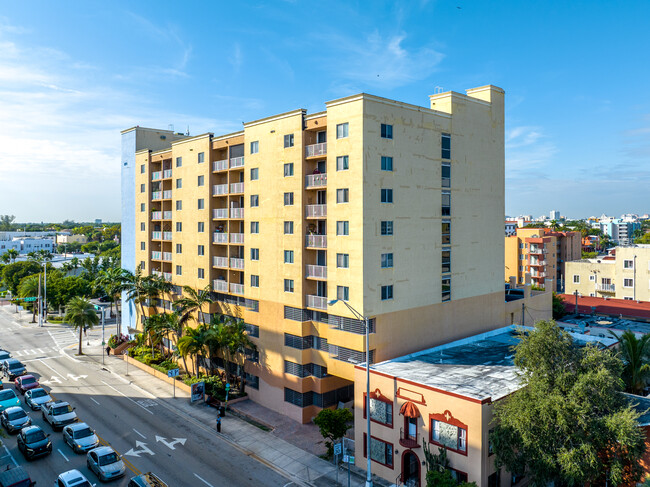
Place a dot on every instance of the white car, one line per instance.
(72, 478)
(105, 463)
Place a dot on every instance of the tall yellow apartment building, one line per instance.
(393, 207)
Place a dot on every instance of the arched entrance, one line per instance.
(410, 469)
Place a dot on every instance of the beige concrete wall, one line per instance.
(639, 273)
(64, 239)
(589, 273)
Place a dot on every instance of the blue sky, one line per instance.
(73, 74)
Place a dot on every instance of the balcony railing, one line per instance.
(219, 189)
(155, 176)
(236, 162)
(316, 241)
(237, 188)
(317, 302)
(236, 288)
(167, 173)
(407, 440)
(316, 211)
(538, 275)
(316, 271)
(157, 273)
(167, 194)
(156, 215)
(156, 195)
(167, 215)
(537, 250)
(221, 238)
(220, 285)
(220, 213)
(606, 288)
(237, 238)
(167, 256)
(236, 213)
(220, 262)
(236, 263)
(155, 255)
(167, 276)
(315, 180)
(539, 263)
(316, 150)
(156, 235)
(167, 235)
(220, 165)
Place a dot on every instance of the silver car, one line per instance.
(105, 463)
(14, 419)
(80, 437)
(35, 398)
(72, 478)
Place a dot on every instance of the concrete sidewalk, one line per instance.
(292, 461)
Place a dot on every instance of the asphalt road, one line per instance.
(150, 435)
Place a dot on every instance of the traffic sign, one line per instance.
(172, 372)
(27, 300)
(338, 448)
(227, 386)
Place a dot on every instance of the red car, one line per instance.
(26, 382)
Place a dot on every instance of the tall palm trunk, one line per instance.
(81, 330)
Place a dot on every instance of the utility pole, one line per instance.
(40, 303)
(576, 294)
(523, 307)
(45, 292)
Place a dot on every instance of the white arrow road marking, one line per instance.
(66, 458)
(77, 377)
(53, 380)
(170, 444)
(204, 481)
(143, 449)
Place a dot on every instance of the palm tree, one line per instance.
(194, 300)
(634, 353)
(28, 287)
(113, 281)
(193, 343)
(13, 254)
(238, 342)
(81, 314)
(138, 288)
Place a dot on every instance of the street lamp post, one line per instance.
(366, 322)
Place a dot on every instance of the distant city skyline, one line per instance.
(73, 75)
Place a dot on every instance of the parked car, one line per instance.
(35, 398)
(72, 478)
(12, 368)
(105, 463)
(4, 355)
(146, 480)
(80, 437)
(58, 414)
(33, 442)
(14, 419)
(15, 476)
(25, 383)
(8, 398)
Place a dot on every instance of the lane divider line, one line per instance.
(204, 481)
(128, 464)
(121, 393)
(66, 458)
(138, 433)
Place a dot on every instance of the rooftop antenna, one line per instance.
(438, 89)
(170, 127)
(188, 131)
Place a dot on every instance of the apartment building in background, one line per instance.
(625, 274)
(392, 207)
(542, 253)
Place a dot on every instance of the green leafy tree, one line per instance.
(644, 238)
(569, 424)
(12, 254)
(6, 222)
(333, 424)
(13, 273)
(193, 343)
(81, 314)
(113, 281)
(635, 353)
(558, 307)
(29, 287)
(60, 290)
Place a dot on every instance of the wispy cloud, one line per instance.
(528, 151)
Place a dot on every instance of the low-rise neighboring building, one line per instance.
(33, 244)
(623, 275)
(66, 239)
(620, 230)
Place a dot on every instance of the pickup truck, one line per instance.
(58, 414)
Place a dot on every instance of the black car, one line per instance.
(12, 368)
(33, 442)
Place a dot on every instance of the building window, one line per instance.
(343, 293)
(179, 270)
(386, 195)
(446, 175)
(255, 147)
(179, 161)
(255, 254)
(201, 227)
(628, 282)
(445, 143)
(143, 188)
(255, 174)
(576, 279)
(255, 281)
(343, 228)
(342, 130)
(592, 278)
(343, 261)
(142, 206)
(143, 246)
(201, 157)
(142, 169)
(446, 232)
(201, 273)
(288, 285)
(446, 260)
(381, 411)
(386, 131)
(386, 163)
(342, 195)
(201, 181)
(179, 248)
(386, 227)
(386, 292)
(255, 200)
(446, 288)
(288, 140)
(342, 163)
(448, 435)
(201, 250)
(387, 260)
(179, 183)
(288, 169)
(142, 264)
(288, 199)
(446, 203)
(288, 228)
(288, 256)
(628, 264)
(255, 227)
(380, 451)
(142, 227)
(179, 226)
(179, 205)
(201, 204)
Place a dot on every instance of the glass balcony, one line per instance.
(315, 181)
(316, 271)
(316, 241)
(220, 165)
(155, 176)
(236, 213)
(237, 188)
(236, 263)
(606, 288)
(156, 235)
(167, 194)
(236, 162)
(156, 195)
(219, 189)
(316, 302)
(167, 235)
(316, 211)
(167, 215)
(220, 213)
(237, 238)
(167, 256)
(236, 288)
(220, 285)
(221, 262)
(167, 276)
(157, 273)
(221, 238)
(155, 255)
(167, 173)
(156, 215)
(316, 150)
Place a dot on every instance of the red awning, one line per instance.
(409, 410)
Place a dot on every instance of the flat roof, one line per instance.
(611, 307)
(480, 367)
(642, 406)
